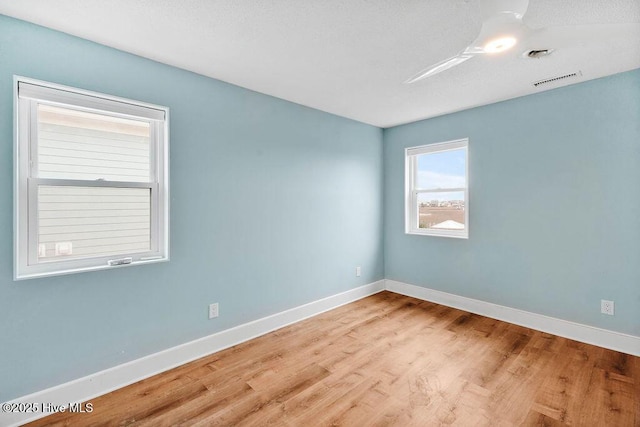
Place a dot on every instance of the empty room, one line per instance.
(320, 213)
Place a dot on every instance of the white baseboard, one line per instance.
(86, 388)
(629, 344)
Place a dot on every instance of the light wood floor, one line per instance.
(386, 360)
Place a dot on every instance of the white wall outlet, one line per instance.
(358, 271)
(606, 307)
(213, 310)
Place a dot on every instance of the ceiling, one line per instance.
(346, 57)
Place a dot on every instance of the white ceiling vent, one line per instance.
(557, 79)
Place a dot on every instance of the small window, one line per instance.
(91, 181)
(437, 197)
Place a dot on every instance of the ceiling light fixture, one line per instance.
(500, 44)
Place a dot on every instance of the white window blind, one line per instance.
(78, 145)
(93, 220)
(92, 181)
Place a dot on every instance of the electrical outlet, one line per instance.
(213, 310)
(606, 307)
(358, 271)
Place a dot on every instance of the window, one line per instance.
(91, 181)
(437, 199)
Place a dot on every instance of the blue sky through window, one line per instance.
(444, 169)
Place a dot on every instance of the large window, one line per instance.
(437, 199)
(91, 181)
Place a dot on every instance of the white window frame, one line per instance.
(28, 93)
(412, 191)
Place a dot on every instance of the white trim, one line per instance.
(617, 341)
(91, 386)
(33, 88)
(437, 147)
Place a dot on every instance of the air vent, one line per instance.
(539, 53)
(557, 79)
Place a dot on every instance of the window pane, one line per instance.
(445, 169)
(85, 221)
(78, 145)
(441, 211)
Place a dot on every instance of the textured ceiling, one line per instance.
(350, 57)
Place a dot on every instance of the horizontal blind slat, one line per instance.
(77, 145)
(80, 131)
(91, 167)
(82, 155)
(73, 227)
(80, 221)
(115, 213)
(80, 191)
(62, 134)
(99, 238)
(98, 223)
(65, 207)
(57, 198)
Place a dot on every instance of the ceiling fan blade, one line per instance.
(439, 67)
(502, 28)
(568, 36)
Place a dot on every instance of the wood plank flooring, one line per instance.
(386, 360)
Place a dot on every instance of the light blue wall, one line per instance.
(273, 205)
(554, 204)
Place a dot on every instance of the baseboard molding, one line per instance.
(588, 334)
(91, 386)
